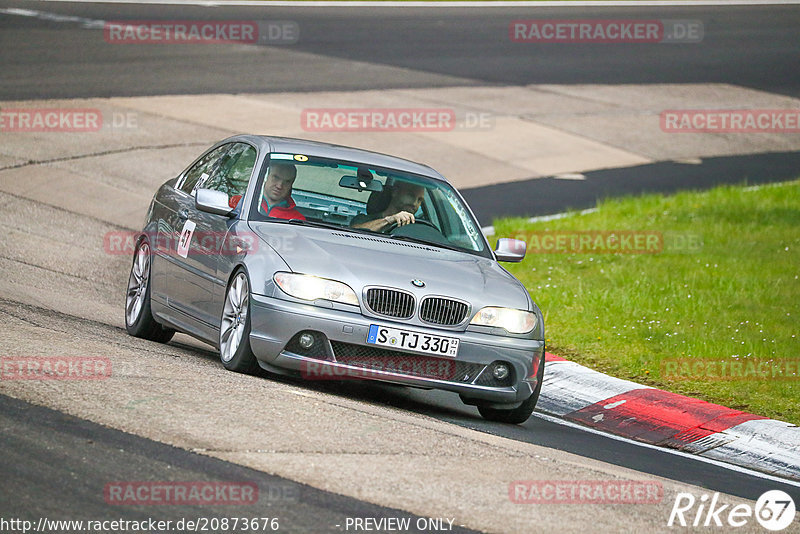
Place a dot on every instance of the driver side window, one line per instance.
(232, 174)
(199, 173)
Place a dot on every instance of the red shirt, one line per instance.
(285, 209)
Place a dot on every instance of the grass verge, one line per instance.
(705, 300)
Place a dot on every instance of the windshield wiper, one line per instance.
(427, 242)
(332, 226)
(316, 224)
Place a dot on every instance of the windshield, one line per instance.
(362, 198)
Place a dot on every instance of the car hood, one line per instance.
(361, 260)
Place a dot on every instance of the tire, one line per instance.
(520, 414)
(234, 327)
(139, 321)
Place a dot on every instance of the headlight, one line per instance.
(515, 321)
(307, 287)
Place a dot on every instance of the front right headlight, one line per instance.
(308, 287)
(515, 321)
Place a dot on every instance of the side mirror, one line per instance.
(212, 201)
(508, 249)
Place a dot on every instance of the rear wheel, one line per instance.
(139, 319)
(234, 329)
(521, 413)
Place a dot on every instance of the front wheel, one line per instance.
(521, 413)
(234, 329)
(514, 416)
(139, 319)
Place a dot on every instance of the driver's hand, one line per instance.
(402, 218)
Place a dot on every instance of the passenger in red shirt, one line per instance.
(276, 199)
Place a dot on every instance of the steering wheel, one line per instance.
(392, 227)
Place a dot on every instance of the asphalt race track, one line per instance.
(746, 45)
(321, 454)
(42, 462)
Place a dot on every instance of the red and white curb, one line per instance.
(575, 393)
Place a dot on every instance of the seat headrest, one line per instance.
(379, 200)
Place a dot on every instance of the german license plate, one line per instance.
(399, 339)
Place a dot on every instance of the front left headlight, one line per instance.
(308, 287)
(515, 321)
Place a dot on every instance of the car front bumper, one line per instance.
(275, 322)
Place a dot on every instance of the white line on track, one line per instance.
(730, 467)
(53, 17)
(454, 4)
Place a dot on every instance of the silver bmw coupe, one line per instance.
(330, 262)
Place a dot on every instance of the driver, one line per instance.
(405, 200)
(276, 198)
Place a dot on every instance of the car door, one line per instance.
(210, 243)
(175, 225)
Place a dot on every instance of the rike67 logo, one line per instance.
(774, 510)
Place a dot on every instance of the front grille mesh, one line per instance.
(438, 310)
(391, 302)
(393, 361)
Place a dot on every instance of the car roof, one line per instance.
(329, 150)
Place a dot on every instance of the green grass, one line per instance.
(733, 297)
